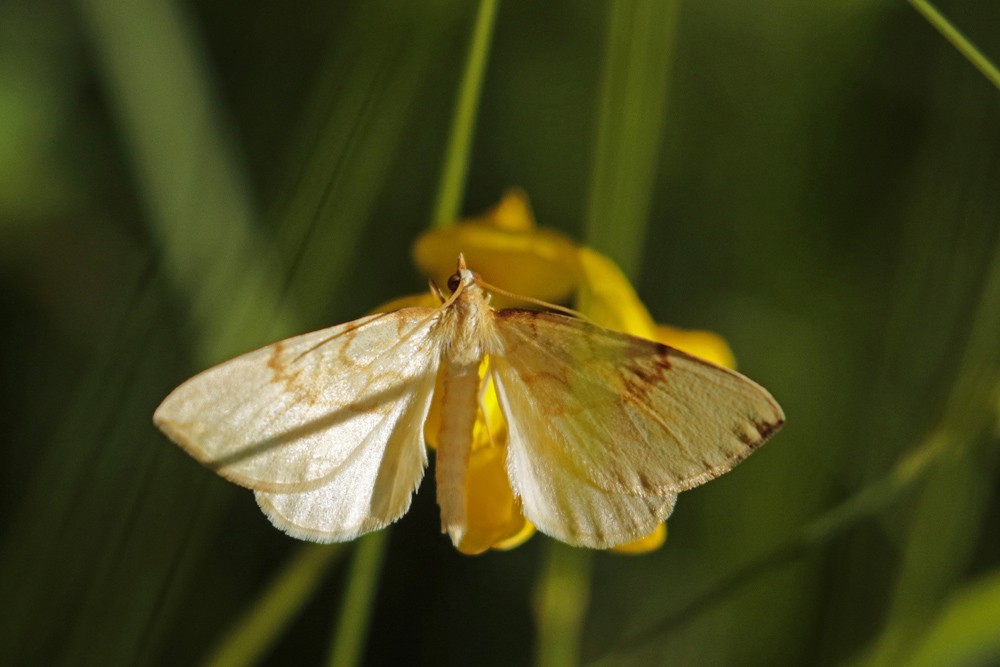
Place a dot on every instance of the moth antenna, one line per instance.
(436, 291)
(538, 302)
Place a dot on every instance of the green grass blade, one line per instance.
(634, 85)
(965, 631)
(196, 195)
(959, 41)
(201, 212)
(447, 208)
(252, 636)
(341, 166)
(358, 602)
(561, 599)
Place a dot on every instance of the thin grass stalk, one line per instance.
(252, 636)
(358, 602)
(635, 80)
(562, 596)
(957, 39)
(451, 189)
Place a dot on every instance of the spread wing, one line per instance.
(606, 428)
(326, 426)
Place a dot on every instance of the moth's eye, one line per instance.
(454, 282)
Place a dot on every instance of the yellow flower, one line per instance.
(508, 250)
(494, 514)
(504, 244)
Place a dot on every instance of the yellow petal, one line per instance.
(517, 540)
(494, 519)
(493, 513)
(490, 428)
(513, 213)
(432, 424)
(704, 344)
(645, 544)
(607, 297)
(506, 249)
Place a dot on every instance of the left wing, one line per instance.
(370, 489)
(606, 428)
(286, 416)
(326, 427)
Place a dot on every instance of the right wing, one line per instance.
(605, 429)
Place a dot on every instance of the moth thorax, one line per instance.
(465, 344)
(466, 327)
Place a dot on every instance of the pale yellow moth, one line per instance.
(604, 429)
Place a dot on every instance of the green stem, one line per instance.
(561, 598)
(257, 630)
(959, 41)
(456, 161)
(358, 601)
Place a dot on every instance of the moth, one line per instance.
(604, 428)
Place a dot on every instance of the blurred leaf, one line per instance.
(940, 535)
(199, 208)
(369, 87)
(634, 85)
(35, 88)
(196, 195)
(964, 633)
(635, 80)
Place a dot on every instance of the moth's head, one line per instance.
(462, 276)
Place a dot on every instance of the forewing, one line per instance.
(293, 416)
(370, 489)
(605, 428)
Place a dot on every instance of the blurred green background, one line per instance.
(819, 182)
